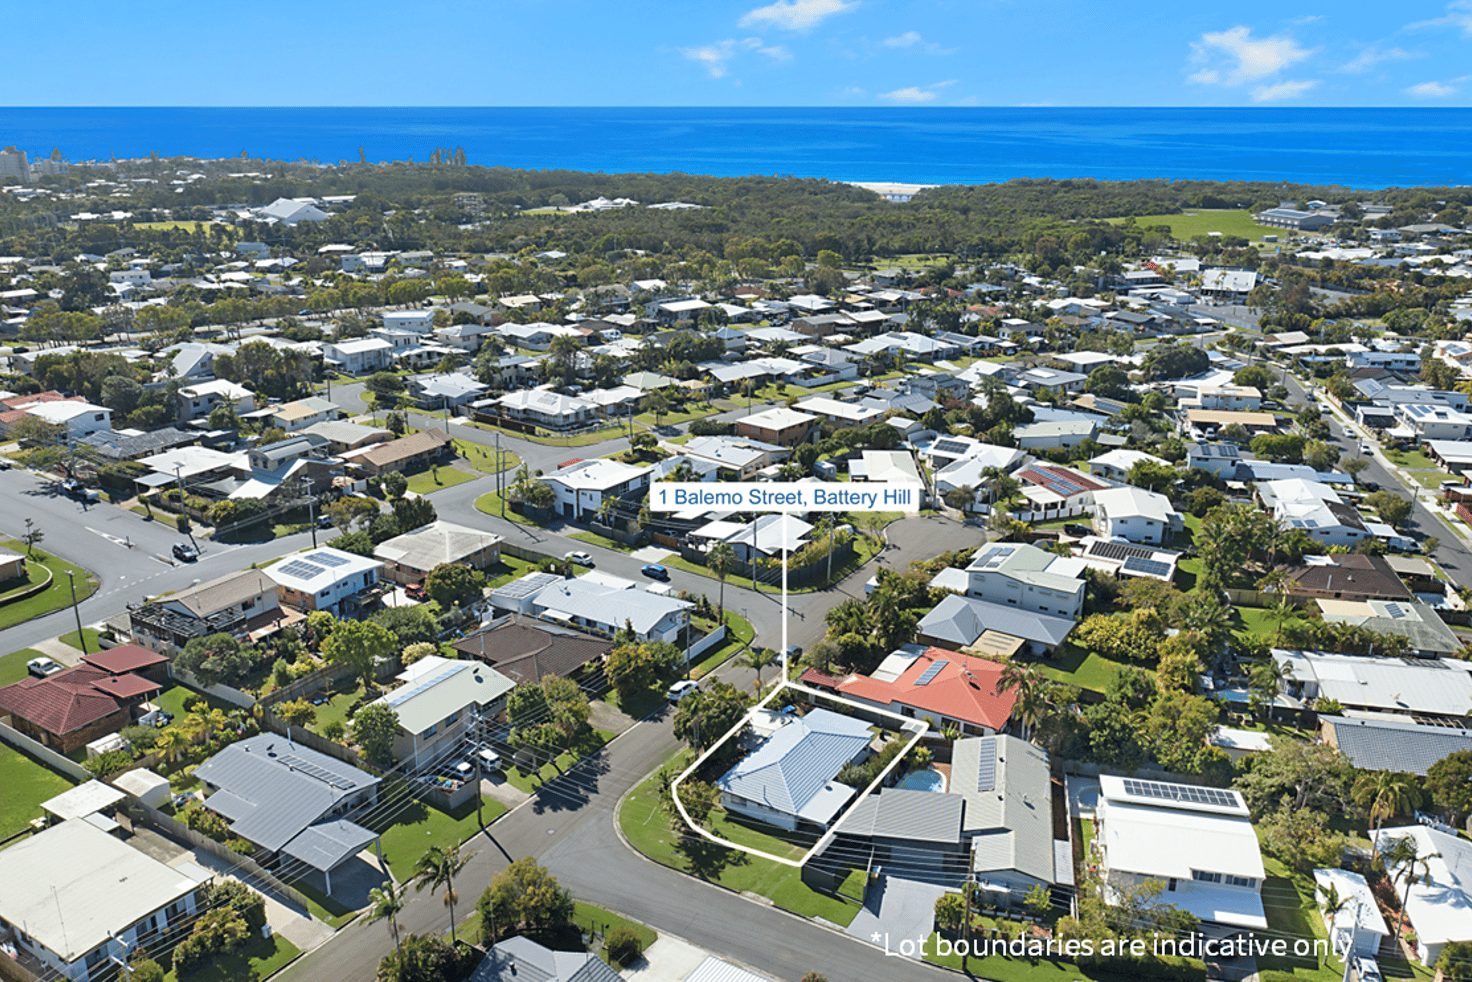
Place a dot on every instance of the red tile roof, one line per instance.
(61, 703)
(1043, 475)
(821, 680)
(126, 686)
(124, 658)
(965, 689)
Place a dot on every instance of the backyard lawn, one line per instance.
(647, 829)
(174, 698)
(417, 826)
(337, 707)
(26, 784)
(55, 596)
(1081, 667)
(13, 666)
(590, 741)
(508, 569)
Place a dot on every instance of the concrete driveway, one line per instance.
(896, 909)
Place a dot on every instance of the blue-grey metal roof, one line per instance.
(271, 790)
(1388, 745)
(324, 846)
(962, 620)
(795, 763)
(909, 814)
(521, 959)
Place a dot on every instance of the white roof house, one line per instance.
(1359, 919)
(1429, 686)
(1116, 464)
(321, 578)
(1198, 840)
(1440, 905)
(438, 542)
(790, 777)
(608, 604)
(73, 886)
(1135, 514)
(1025, 576)
(437, 702)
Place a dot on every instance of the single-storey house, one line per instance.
(410, 557)
(790, 780)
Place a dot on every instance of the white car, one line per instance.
(682, 689)
(1367, 970)
(579, 557)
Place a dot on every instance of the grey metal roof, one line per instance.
(600, 604)
(524, 960)
(1387, 745)
(792, 766)
(904, 813)
(1014, 818)
(962, 620)
(715, 970)
(324, 846)
(271, 790)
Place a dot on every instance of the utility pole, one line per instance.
(1349, 950)
(500, 476)
(311, 508)
(81, 635)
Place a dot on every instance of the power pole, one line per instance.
(311, 508)
(81, 635)
(500, 476)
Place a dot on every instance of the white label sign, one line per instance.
(779, 497)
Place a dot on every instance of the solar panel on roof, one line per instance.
(1118, 550)
(986, 769)
(1150, 567)
(301, 568)
(408, 692)
(1161, 791)
(932, 672)
(1395, 610)
(313, 770)
(328, 559)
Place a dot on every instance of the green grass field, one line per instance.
(490, 504)
(417, 826)
(589, 742)
(256, 959)
(13, 665)
(55, 596)
(74, 639)
(1200, 221)
(26, 785)
(428, 482)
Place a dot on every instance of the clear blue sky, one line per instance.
(718, 52)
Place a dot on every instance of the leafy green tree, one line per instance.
(216, 658)
(1449, 782)
(705, 715)
(1392, 507)
(523, 895)
(452, 583)
(1297, 776)
(362, 646)
(394, 485)
(412, 624)
(297, 713)
(374, 728)
(1177, 727)
(631, 669)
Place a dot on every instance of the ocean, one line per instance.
(1359, 148)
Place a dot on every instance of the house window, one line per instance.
(430, 732)
(450, 720)
(1204, 877)
(1243, 881)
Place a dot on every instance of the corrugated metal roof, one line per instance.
(1383, 745)
(902, 813)
(715, 970)
(962, 620)
(795, 763)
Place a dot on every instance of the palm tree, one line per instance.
(961, 498)
(1031, 705)
(565, 350)
(1331, 903)
(1402, 855)
(757, 659)
(436, 868)
(1282, 610)
(1265, 682)
(721, 560)
(1385, 794)
(170, 742)
(384, 904)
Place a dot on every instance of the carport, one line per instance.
(328, 845)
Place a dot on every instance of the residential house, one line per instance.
(1231, 397)
(1019, 575)
(736, 458)
(343, 436)
(417, 321)
(1220, 459)
(1051, 379)
(131, 659)
(1052, 434)
(439, 704)
(1357, 926)
(582, 486)
(887, 467)
(296, 416)
(548, 409)
(1136, 515)
(68, 710)
(784, 427)
(240, 603)
(1316, 509)
(1439, 900)
(325, 579)
(410, 557)
(77, 897)
(1127, 559)
(293, 803)
(960, 623)
(1052, 491)
(521, 959)
(790, 779)
(945, 688)
(839, 413)
(1384, 742)
(358, 356)
(1435, 689)
(74, 418)
(1198, 841)
(199, 400)
(115, 446)
(1433, 422)
(1228, 284)
(528, 651)
(1117, 464)
(1212, 421)
(771, 535)
(1352, 576)
(1429, 636)
(445, 391)
(406, 454)
(608, 604)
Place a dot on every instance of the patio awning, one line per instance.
(326, 845)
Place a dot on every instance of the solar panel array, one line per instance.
(301, 568)
(328, 559)
(932, 672)
(1161, 791)
(320, 773)
(1149, 567)
(1395, 610)
(408, 692)
(950, 448)
(986, 768)
(1119, 550)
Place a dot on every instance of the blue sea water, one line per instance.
(1360, 148)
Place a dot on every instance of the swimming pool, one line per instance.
(926, 780)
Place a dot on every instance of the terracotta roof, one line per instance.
(813, 677)
(124, 658)
(526, 653)
(1043, 476)
(964, 689)
(61, 703)
(126, 686)
(425, 441)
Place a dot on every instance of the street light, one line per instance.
(81, 635)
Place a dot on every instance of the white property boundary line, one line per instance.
(917, 728)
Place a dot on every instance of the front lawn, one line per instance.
(599, 920)
(589, 742)
(13, 666)
(256, 959)
(56, 596)
(647, 828)
(74, 640)
(594, 539)
(865, 549)
(550, 439)
(429, 481)
(416, 826)
(27, 783)
(739, 634)
(1412, 459)
(490, 504)
(483, 458)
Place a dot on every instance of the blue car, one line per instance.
(655, 571)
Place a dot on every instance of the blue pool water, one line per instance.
(926, 780)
